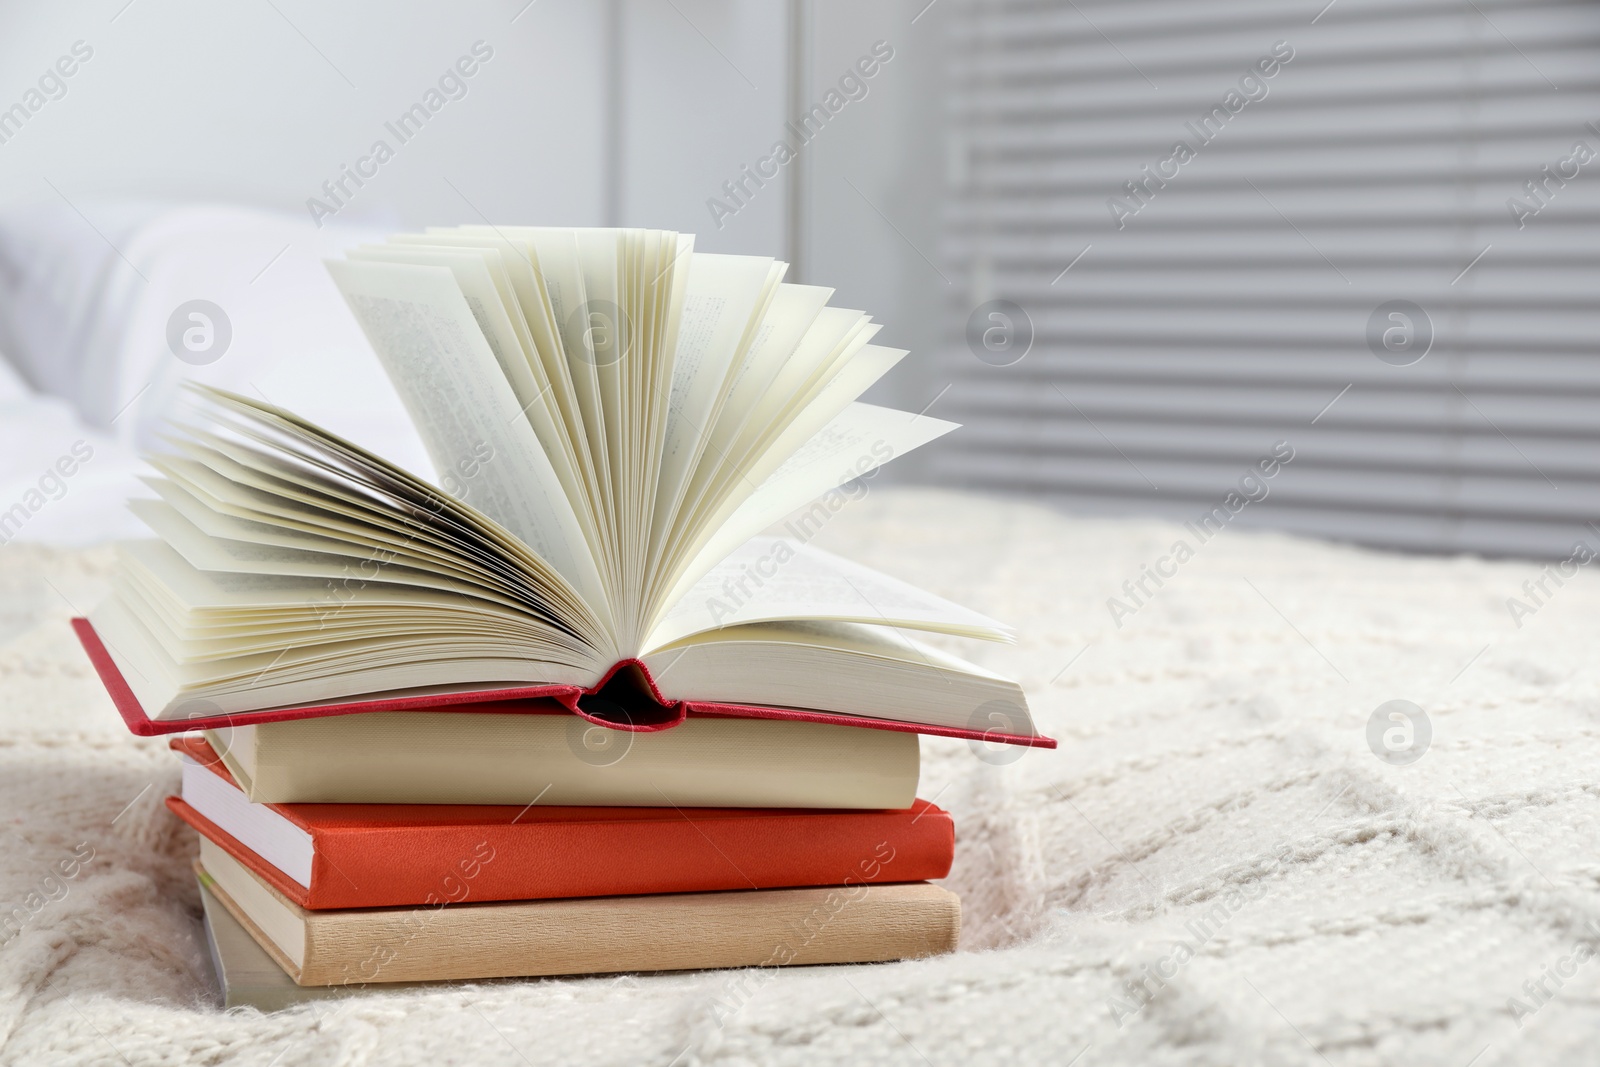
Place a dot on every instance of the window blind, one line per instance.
(1180, 316)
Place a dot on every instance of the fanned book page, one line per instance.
(613, 420)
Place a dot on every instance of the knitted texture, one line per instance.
(1214, 868)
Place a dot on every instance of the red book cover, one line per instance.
(394, 855)
(656, 712)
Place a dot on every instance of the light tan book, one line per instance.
(419, 757)
(683, 931)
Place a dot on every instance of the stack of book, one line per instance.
(569, 710)
(357, 893)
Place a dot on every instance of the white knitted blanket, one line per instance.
(1215, 867)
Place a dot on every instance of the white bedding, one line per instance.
(85, 302)
(1214, 754)
(40, 438)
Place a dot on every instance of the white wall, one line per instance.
(192, 100)
(703, 94)
(253, 103)
(874, 185)
(590, 112)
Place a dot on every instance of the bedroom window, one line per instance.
(1365, 228)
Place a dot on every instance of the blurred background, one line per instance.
(1136, 246)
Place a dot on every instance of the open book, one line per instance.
(614, 420)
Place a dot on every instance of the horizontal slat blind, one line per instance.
(1233, 306)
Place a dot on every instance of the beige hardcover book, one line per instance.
(682, 931)
(419, 757)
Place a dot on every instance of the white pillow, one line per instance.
(86, 303)
(60, 481)
(12, 388)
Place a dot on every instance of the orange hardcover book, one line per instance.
(324, 856)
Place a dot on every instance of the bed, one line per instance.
(1219, 864)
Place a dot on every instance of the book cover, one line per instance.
(640, 716)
